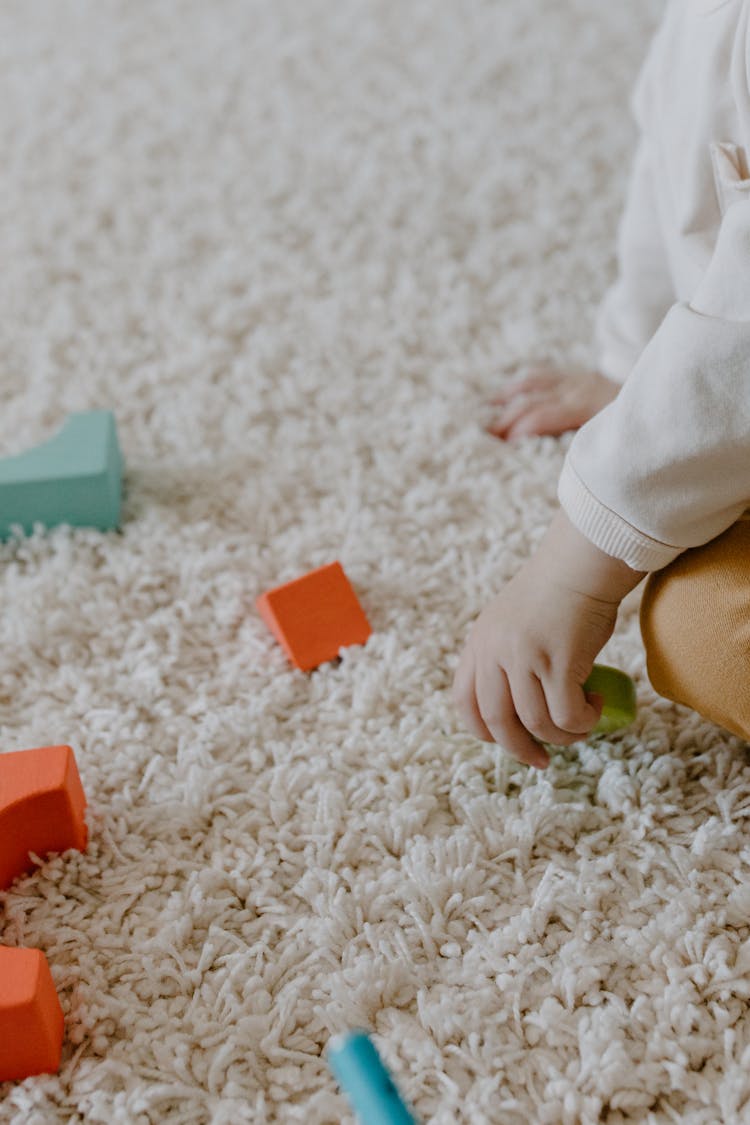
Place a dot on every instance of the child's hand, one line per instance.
(550, 401)
(521, 674)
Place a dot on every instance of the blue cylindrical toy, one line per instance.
(362, 1076)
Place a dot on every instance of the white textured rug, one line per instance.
(294, 244)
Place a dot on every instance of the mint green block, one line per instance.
(74, 478)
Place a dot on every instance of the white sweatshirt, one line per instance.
(666, 466)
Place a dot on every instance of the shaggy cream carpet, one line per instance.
(295, 244)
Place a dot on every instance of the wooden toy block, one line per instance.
(42, 807)
(31, 1019)
(315, 616)
(74, 478)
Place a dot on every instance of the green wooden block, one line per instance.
(618, 690)
(74, 478)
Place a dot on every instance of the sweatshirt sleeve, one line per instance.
(643, 292)
(637, 302)
(666, 466)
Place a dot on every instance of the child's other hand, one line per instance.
(521, 674)
(550, 401)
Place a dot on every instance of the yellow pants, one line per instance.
(695, 621)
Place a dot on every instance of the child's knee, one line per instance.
(695, 622)
(672, 633)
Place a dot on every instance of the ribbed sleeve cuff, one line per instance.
(608, 531)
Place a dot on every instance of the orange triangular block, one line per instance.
(31, 1019)
(42, 806)
(315, 616)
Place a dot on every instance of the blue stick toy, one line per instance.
(362, 1076)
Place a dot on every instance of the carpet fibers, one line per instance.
(295, 246)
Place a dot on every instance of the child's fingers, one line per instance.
(550, 418)
(541, 380)
(533, 711)
(499, 716)
(464, 697)
(569, 706)
(513, 414)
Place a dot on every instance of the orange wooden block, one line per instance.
(315, 616)
(42, 806)
(31, 1019)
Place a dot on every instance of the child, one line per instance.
(658, 477)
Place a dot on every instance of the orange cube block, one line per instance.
(42, 807)
(315, 616)
(31, 1019)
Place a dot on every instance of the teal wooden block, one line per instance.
(74, 478)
